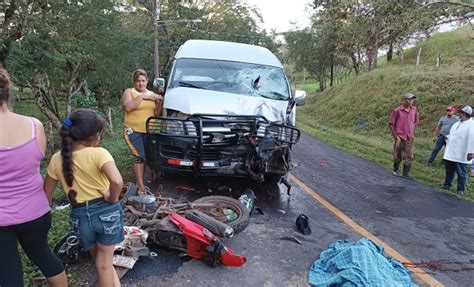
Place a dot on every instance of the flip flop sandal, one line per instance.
(147, 191)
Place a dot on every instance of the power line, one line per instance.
(224, 33)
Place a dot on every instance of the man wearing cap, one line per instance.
(402, 124)
(442, 130)
(459, 150)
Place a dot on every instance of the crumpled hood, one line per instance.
(197, 101)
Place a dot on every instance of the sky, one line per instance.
(277, 14)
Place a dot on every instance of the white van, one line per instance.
(228, 110)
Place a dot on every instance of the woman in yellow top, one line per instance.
(139, 104)
(92, 183)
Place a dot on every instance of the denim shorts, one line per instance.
(136, 143)
(100, 222)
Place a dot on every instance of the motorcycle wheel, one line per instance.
(227, 210)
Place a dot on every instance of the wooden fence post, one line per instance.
(418, 57)
(438, 61)
(110, 121)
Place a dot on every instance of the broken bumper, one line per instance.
(219, 145)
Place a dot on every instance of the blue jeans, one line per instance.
(440, 142)
(460, 169)
(100, 222)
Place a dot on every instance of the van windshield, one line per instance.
(231, 77)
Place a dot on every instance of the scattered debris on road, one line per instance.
(302, 224)
(287, 184)
(291, 238)
(248, 199)
(185, 188)
(259, 210)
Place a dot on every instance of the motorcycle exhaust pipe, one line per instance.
(215, 226)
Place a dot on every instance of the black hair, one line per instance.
(82, 125)
(5, 83)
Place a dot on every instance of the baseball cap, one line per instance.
(450, 109)
(409, 96)
(467, 110)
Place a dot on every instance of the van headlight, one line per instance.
(283, 133)
(176, 127)
(173, 127)
(157, 125)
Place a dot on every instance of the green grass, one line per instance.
(353, 116)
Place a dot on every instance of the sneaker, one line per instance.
(396, 173)
(461, 192)
(445, 188)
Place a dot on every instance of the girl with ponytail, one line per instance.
(92, 183)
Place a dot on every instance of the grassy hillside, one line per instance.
(455, 48)
(354, 115)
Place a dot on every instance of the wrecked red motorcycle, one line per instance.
(193, 228)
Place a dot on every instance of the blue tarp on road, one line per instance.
(360, 263)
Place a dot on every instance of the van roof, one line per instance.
(228, 51)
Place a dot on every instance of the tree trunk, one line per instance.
(75, 85)
(321, 82)
(390, 52)
(39, 95)
(355, 63)
(369, 59)
(374, 46)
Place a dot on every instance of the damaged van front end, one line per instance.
(225, 113)
(221, 145)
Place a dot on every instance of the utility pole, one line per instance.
(156, 18)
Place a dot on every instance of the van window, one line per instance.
(231, 77)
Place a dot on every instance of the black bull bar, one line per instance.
(217, 144)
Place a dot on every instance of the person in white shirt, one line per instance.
(459, 150)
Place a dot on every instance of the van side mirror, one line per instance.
(159, 83)
(300, 97)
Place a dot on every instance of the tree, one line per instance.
(69, 50)
(363, 27)
(71, 53)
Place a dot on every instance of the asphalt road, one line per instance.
(432, 229)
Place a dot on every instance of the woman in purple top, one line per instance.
(25, 217)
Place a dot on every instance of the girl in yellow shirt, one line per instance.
(139, 104)
(92, 183)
